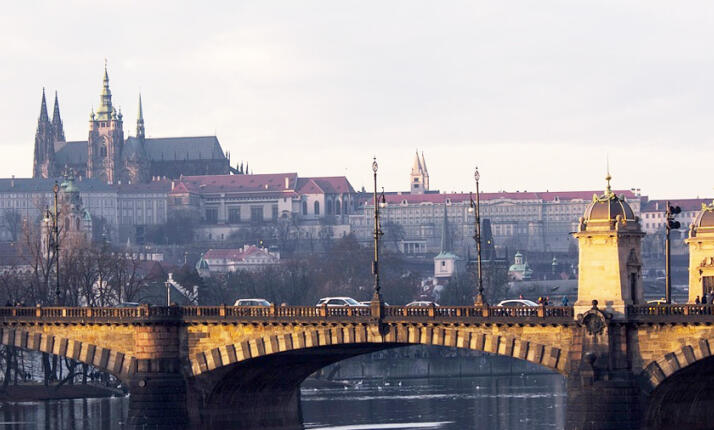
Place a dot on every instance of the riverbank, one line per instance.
(38, 392)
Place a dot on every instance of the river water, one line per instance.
(530, 402)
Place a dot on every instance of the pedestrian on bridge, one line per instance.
(697, 301)
(564, 302)
(704, 298)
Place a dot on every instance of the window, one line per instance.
(256, 213)
(103, 151)
(212, 215)
(317, 208)
(234, 215)
(328, 207)
(304, 208)
(337, 207)
(275, 212)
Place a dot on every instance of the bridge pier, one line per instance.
(157, 400)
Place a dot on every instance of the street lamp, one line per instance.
(669, 224)
(55, 231)
(480, 300)
(378, 202)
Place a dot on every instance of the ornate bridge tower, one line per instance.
(610, 264)
(701, 249)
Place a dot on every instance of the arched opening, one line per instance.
(317, 208)
(328, 207)
(264, 391)
(338, 208)
(304, 208)
(685, 399)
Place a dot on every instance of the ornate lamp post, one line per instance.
(55, 232)
(480, 300)
(669, 224)
(378, 202)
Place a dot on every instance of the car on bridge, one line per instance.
(251, 302)
(340, 301)
(421, 304)
(517, 302)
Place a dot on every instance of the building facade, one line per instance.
(285, 204)
(108, 156)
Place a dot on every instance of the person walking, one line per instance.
(697, 301)
(704, 298)
(564, 302)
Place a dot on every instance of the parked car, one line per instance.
(251, 302)
(661, 301)
(421, 303)
(517, 302)
(369, 302)
(128, 305)
(339, 301)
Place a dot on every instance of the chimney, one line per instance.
(173, 184)
(287, 183)
(12, 182)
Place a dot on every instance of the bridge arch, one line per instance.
(680, 387)
(481, 338)
(104, 359)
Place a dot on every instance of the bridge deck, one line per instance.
(248, 314)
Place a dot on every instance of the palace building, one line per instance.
(107, 155)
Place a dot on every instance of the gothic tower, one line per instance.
(57, 127)
(106, 139)
(44, 160)
(419, 177)
(137, 162)
(610, 262)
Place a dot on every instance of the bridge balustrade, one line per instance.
(262, 313)
(657, 312)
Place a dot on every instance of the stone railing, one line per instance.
(208, 314)
(670, 313)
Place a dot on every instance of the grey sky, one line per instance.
(536, 93)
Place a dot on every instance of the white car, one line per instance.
(251, 302)
(421, 304)
(517, 302)
(339, 301)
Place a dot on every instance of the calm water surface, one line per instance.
(496, 403)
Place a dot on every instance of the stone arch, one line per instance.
(474, 338)
(657, 371)
(114, 362)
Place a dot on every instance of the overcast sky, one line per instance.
(536, 93)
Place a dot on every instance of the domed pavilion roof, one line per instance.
(608, 206)
(705, 219)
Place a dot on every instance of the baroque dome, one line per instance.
(705, 218)
(608, 206)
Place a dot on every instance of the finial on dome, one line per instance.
(608, 177)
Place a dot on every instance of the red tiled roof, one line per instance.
(464, 197)
(685, 204)
(163, 186)
(327, 185)
(274, 182)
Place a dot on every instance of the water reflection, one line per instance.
(506, 403)
(79, 414)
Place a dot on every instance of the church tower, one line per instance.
(419, 177)
(610, 262)
(57, 127)
(43, 165)
(106, 139)
(137, 166)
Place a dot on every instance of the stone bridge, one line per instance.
(241, 367)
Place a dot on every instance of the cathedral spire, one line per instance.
(140, 131)
(43, 107)
(57, 127)
(105, 100)
(423, 163)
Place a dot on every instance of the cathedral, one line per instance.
(108, 156)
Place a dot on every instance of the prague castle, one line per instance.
(108, 156)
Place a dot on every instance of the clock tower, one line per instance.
(106, 138)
